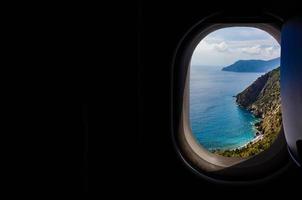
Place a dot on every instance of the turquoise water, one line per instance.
(216, 120)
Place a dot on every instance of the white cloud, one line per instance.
(204, 45)
(253, 50)
(269, 50)
(225, 49)
(221, 47)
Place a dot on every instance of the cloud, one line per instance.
(210, 46)
(240, 34)
(221, 47)
(253, 50)
(225, 46)
(269, 50)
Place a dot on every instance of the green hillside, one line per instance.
(262, 98)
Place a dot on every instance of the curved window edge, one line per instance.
(200, 159)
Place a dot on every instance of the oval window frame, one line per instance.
(211, 166)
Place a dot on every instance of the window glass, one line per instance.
(235, 91)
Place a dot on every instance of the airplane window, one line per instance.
(234, 91)
(226, 101)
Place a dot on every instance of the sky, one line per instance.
(225, 46)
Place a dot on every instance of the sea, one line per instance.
(217, 122)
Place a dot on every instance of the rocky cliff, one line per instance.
(262, 98)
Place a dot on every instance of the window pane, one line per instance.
(235, 91)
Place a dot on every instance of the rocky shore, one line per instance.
(262, 98)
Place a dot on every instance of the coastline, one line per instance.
(256, 139)
(259, 136)
(262, 99)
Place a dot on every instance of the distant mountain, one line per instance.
(253, 65)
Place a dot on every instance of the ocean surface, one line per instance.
(216, 120)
